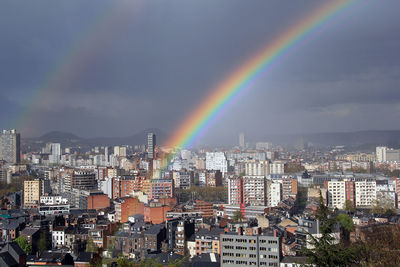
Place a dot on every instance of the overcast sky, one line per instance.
(114, 68)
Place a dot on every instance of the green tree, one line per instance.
(349, 206)
(42, 244)
(177, 262)
(23, 243)
(238, 216)
(90, 246)
(149, 262)
(345, 222)
(324, 251)
(123, 262)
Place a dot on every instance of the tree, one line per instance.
(42, 244)
(324, 251)
(177, 262)
(90, 246)
(149, 262)
(346, 226)
(383, 205)
(23, 243)
(123, 262)
(238, 216)
(349, 206)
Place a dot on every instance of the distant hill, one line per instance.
(69, 139)
(57, 136)
(360, 139)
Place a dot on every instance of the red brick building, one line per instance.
(156, 213)
(125, 207)
(206, 208)
(98, 201)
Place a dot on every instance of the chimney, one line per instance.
(275, 233)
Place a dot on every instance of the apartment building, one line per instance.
(235, 191)
(254, 192)
(32, 189)
(365, 192)
(250, 248)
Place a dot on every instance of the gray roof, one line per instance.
(213, 232)
(29, 231)
(153, 230)
(292, 259)
(7, 260)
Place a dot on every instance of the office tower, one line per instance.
(241, 140)
(151, 143)
(55, 152)
(10, 146)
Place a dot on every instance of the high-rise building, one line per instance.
(289, 187)
(119, 151)
(32, 190)
(241, 140)
(106, 156)
(80, 179)
(257, 168)
(365, 192)
(254, 193)
(151, 143)
(381, 153)
(216, 161)
(274, 194)
(10, 146)
(235, 191)
(55, 152)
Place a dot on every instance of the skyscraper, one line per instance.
(10, 146)
(241, 140)
(151, 143)
(55, 152)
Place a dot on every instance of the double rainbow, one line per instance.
(248, 73)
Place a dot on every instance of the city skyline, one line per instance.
(84, 100)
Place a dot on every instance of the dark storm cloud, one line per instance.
(152, 64)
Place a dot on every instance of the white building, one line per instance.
(275, 194)
(381, 153)
(277, 167)
(336, 194)
(257, 168)
(365, 191)
(53, 200)
(216, 161)
(58, 237)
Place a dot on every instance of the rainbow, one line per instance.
(244, 77)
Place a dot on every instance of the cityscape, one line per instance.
(238, 134)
